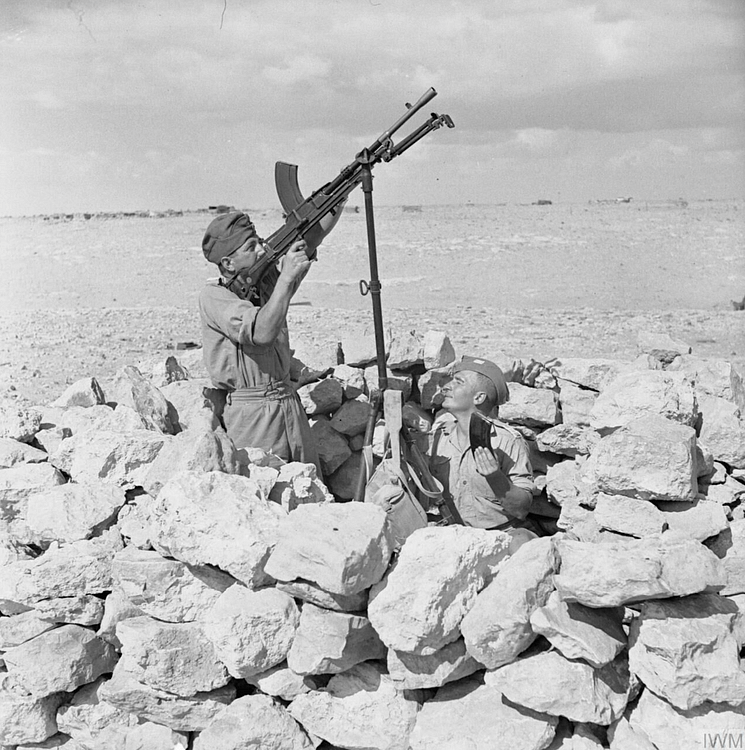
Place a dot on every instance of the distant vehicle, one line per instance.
(543, 202)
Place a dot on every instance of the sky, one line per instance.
(110, 105)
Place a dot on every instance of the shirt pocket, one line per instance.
(440, 468)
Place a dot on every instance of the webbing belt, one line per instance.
(274, 391)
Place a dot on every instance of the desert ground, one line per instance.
(84, 296)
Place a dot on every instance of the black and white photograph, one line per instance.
(372, 374)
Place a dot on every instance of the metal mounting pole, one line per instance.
(373, 287)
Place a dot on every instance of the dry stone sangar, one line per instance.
(160, 589)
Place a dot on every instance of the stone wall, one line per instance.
(160, 589)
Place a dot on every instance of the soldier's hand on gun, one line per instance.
(485, 460)
(296, 263)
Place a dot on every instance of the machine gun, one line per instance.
(311, 219)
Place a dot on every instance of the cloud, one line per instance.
(656, 151)
(206, 85)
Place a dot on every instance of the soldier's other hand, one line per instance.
(486, 462)
(527, 374)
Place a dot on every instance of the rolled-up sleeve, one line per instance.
(233, 317)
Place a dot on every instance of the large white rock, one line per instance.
(358, 345)
(497, 628)
(576, 403)
(18, 420)
(122, 458)
(593, 635)
(253, 721)
(297, 484)
(723, 430)
(352, 380)
(669, 729)
(282, 682)
(714, 377)
(117, 607)
(14, 452)
(628, 515)
(17, 629)
(71, 512)
(49, 440)
(344, 548)
(729, 492)
(419, 605)
(468, 714)
(452, 662)
(398, 380)
(92, 722)
(607, 575)
(83, 392)
(175, 657)
(84, 609)
(322, 397)
(192, 450)
(131, 388)
(589, 373)
(361, 709)
(17, 484)
(567, 439)
(699, 520)
(251, 631)
(729, 546)
(533, 407)
(549, 683)
(102, 417)
(651, 458)
(310, 592)
(639, 393)
(184, 714)
(621, 736)
(405, 351)
(73, 569)
(685, 650)
(437, 350)
(60, 660)
(24, 717)
(193, 404)
(565, 483)
(217, 519)
(328, 642)
(133, 520)
(167, 589)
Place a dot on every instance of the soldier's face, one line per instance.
(246, 256)
(458, 394)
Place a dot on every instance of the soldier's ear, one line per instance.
(479, 398)
(226, 264)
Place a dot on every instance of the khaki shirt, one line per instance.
(230, 355)
(453, 464)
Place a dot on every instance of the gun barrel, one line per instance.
(410, 112)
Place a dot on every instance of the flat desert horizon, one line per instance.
(83, 297)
